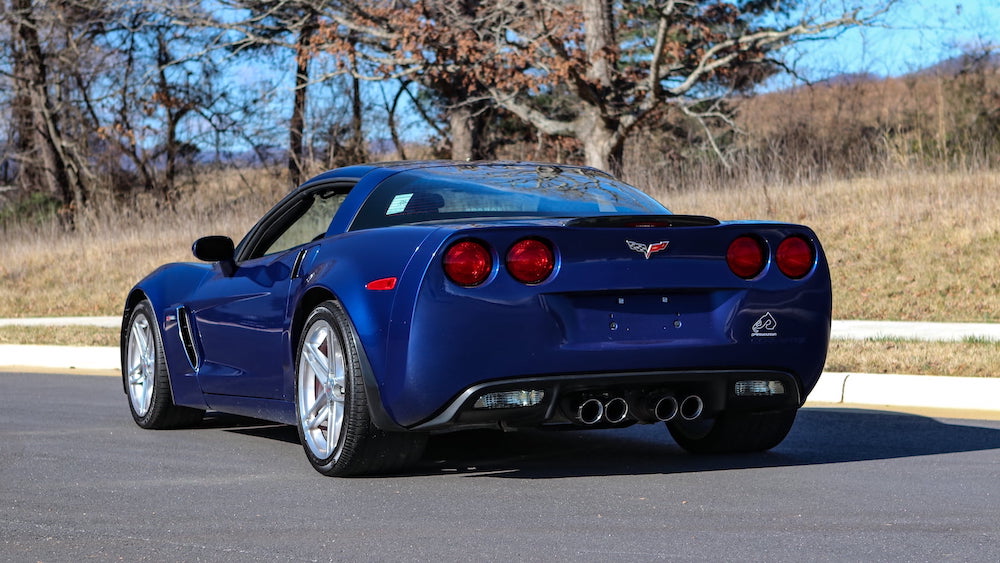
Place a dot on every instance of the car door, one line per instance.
(242, 316)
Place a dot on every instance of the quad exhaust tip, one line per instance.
(665, 409)
(662, 408)
(615, 410)
(590, 411)
(691, 407)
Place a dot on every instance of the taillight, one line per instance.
(530, 261)
(468, 263)
(746, 256)
(795, 257)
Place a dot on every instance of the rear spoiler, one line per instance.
(640, 221)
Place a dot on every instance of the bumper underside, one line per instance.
(557, 400)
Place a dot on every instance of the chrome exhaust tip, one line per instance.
(590, 411)
(615, 410)
(665, 409)
(691, 407)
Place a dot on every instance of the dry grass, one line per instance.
(971, 359)
(901, 247)
(47, 271)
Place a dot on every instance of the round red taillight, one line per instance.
(468, 263)
(795, 257)
(746, 256)
(530, 261)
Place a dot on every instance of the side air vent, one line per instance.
(640, 221)
(187, 336)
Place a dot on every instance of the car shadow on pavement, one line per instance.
(249, 427)
(820, 436)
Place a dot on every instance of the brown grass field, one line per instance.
(920, 246)
(902, 246)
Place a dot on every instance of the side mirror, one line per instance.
(216, 249)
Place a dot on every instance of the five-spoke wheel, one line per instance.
(140, 364)
(331, 405)
(321, 387)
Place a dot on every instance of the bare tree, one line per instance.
(47, 157)
(617, 63)
(438, 44)
(636, 58)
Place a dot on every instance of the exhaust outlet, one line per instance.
(665, 409)
(691, 407)
(615, 410)
(590, 411)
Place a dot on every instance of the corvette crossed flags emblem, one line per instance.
(647, 249)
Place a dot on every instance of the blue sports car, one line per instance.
(377, 304)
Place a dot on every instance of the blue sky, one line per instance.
(915, 34)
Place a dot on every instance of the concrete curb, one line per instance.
(103, 322)
(963, 393)
(60, 357)
(929, 391)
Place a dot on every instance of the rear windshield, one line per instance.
(475, 191)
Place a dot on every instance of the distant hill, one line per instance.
(948, 111)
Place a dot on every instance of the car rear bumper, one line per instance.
(624, 399)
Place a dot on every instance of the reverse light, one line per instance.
(468, 263)
(795, 257)
(530, 261)
(510, 399)
(759, 388)
(746, 256)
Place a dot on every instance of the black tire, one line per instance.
(144, 375)
(331, 405)
(733, 432)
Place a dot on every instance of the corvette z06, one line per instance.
(377, 304)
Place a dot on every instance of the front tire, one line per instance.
(144, 373)
(333, 419)
(734, 432)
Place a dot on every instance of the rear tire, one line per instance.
(734, 432)
(331, 405)
(144, 373)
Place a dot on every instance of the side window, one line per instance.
(307, 223)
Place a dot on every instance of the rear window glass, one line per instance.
(465, 192)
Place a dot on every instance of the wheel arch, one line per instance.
(312, 298)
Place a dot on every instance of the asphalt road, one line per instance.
(78, 480)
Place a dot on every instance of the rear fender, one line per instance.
(342, 271)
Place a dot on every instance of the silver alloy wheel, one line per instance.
(321, 388)
(141, 364)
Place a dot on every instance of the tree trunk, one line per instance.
(463, 139)
(358, 151)
(603, 144)
(599, 40)
(467, 125)
(296, 126)
(44, 136)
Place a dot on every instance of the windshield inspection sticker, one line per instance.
(765, 326)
